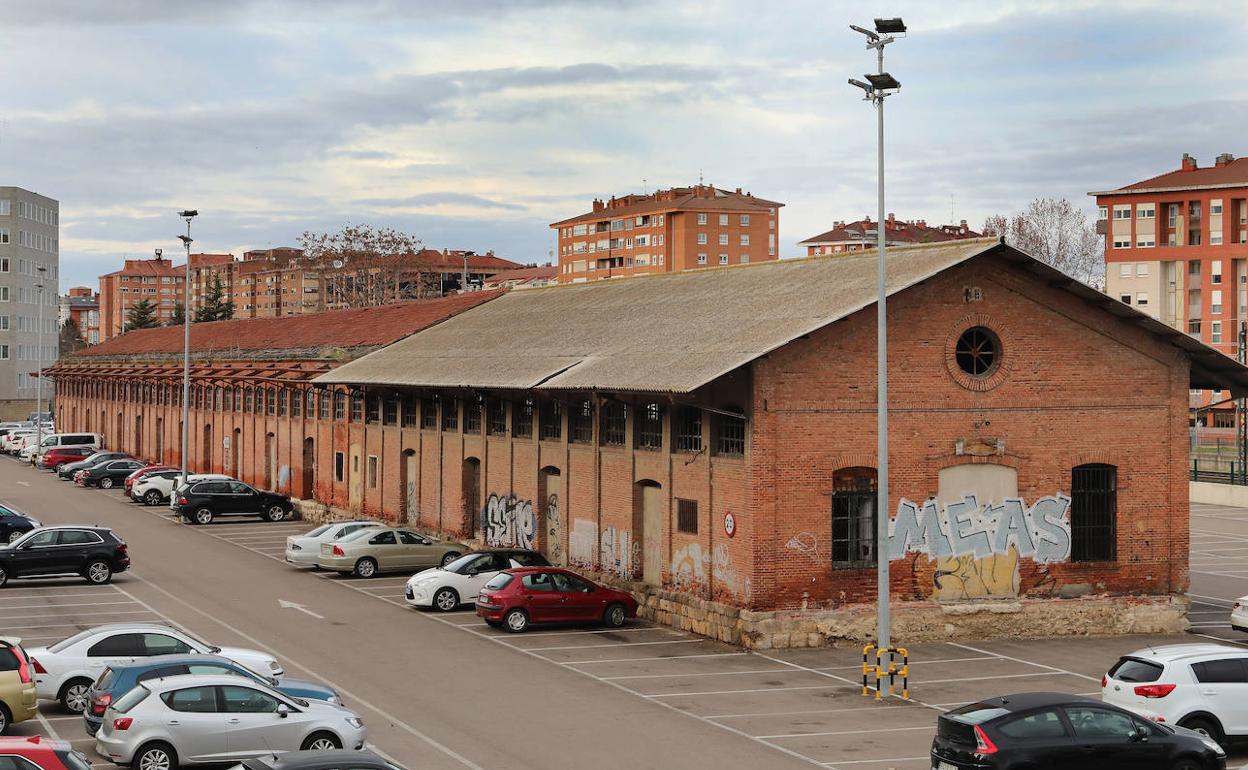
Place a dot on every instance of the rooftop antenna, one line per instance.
(645, 189)
(699, 176)
(952, 217)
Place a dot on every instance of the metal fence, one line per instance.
(1218, 471)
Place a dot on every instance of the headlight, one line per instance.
(1211, 743)
(355, 722)
(273, 666)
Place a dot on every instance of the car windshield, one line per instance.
(319, 530)
(70, 640)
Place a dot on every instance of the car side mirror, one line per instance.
(1138, 736)
(283, 710)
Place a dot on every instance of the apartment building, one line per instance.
(29, 270)
(667, 231)
(847, 237)
(156, 279)
(81, 304)
(1176, 248)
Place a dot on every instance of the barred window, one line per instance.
(614, 423)
(296, 403)
(357, 406)
(581, 422)
(687, 516)
(411, 411)
(238, 398)
(340, 405)
(1093, 512)
(649, 426)
(429, 414)
(373, 414)
(450, 414)
(390, 409)
(247, 400)
(218, 397)
(311, 404)
(522, 419)
(730, 433)
(325, 399)
(687, 429)
(472, 416)
(497, 425)
(270, 401)
(853, 518)
(552, 420)
(282, 397)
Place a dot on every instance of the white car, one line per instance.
(195, 719)
(1203, 687)
(13, 441)
(460, 581)
(65, 671)
(304, 550)
(156, 488)
(1239, 614)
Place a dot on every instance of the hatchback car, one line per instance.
(1057, 730)
(1201, 686)
(305, 550)
(66, 670)
(13, 524)
(107, 475)
(68, 470)
(39, 753)
(54, 458)
(143, 472)
(460, 581)
(370, 552)
(95, 553)
(203, 501)
(118, 680)
(517, 598)
(191, 720)
(18, 698)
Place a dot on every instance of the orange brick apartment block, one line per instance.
(683, 228)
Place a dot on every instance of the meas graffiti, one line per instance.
(965, 528)
(509, 522)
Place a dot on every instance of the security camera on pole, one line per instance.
(877, 88)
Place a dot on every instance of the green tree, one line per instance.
(179, 315)
(216, 307)
(141, 315)
(71, 339)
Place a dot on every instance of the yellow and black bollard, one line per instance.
(893, 672)
(866, 667)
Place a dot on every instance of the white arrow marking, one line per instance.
(24, 483)
(293, 606)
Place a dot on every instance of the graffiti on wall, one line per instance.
(978, 548)
(805, 543)
(509, 522)
(582, 543)
(692, 564)
(620, 553)
(554, 530)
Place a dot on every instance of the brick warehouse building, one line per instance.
(728, 472)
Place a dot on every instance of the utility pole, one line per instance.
(188, 215)
(1241, 408)
(43, 271)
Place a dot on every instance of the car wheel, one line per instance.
(320, 742)
(1206, 727)
(4, 577)
(152, 497)
(516, 621)
(275, 513)
(365, 568)
(106, 483)
(203, 516)
(74, 695)
(446, 599)
(98, 572)
(14, 535)
(615, 615)
(155, 756)
(5, 719)
(450, 557)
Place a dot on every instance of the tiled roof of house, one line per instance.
(542, 272)
(677, 199)
(148, 267)
(1231, 174)
(898, 231)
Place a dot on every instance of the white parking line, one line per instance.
(56, 606)
(637, 660)
(838, 763)
(8, 618)
(738, 692)
(1217, 600)
(1026, 662)
(798, 713)
(847, 732)
(700, 673)
(614, 644)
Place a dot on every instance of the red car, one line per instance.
(45, 754)
(54, 458)
(141, 472)
(514, 598)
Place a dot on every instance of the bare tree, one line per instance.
(1056, 232)
(361, 265)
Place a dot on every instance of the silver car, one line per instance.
(194, 719)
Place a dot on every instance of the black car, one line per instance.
(68, 470)
(203, 501)
(332, 759)
(13, 524)
(95, 553)
(109, 473)
(1047, 729)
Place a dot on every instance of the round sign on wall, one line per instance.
(730, 524)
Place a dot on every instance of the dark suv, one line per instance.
(95, 553)
(203, 501)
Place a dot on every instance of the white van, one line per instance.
(89, 440)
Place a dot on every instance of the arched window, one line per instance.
(246, 400)
(1093, 512)
(853, 518)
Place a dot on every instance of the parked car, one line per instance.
(42, 753)
(191, 720)
(116, 681)
(305, 550)
(66, 670)
(1200, 686)
(18, 700)
(107, 475)
(330, 759)
(459, 582)
(143, 472)
(54, 458)
(157, 487)
(372, 551)
(57, 440)
(1239, 614)
(95, 553)
(68, 470)
(14, 524)
(516, 598)
(14, 440)
(1045, 729)
(203, 501)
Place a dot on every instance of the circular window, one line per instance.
(978, 351)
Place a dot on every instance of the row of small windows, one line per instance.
(728, 426)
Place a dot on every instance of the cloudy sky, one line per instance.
(475, 123)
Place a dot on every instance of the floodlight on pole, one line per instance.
(188, 215)
(878, 87)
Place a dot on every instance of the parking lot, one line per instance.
(806, 704)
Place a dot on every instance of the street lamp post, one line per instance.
(188, 215)
(39, 373)
(877, 88)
